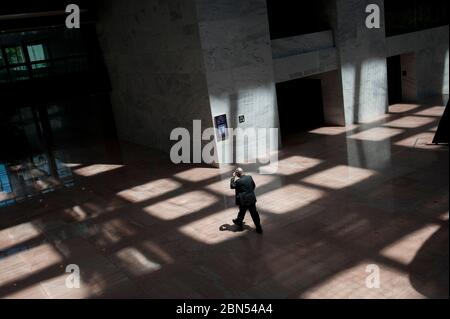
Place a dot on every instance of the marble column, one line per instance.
(237, 55)
(363, 61)
(153, 53)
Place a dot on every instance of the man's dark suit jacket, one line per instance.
(245, 190)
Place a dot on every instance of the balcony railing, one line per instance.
(43, 68)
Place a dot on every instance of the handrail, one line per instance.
(52, 68)
(72, 57)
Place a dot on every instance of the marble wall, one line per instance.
(332, 99)
(304, 43)
(360, 56)
(174, 61)
(432, 71)
(238, 61)
(306, 64)
(304, 55)
(430, 48)
(409, 77)
(153, 53)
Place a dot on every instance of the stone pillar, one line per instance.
(362, 54)
(153, 53)
(238, 61)
(432, 70)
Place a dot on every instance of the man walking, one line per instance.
(245, 198)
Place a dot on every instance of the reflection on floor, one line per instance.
(345, 203)
(38, 175)
(40, 144)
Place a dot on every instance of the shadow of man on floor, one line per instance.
(235, 228)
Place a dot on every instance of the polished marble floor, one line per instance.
(346, 205)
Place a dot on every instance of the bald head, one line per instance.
(239, 172)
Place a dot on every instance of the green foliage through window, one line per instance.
(15, 55)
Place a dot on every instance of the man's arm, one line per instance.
(233, 183)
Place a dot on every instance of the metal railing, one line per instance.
(43, 68)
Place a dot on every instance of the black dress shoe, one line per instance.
(238, 224)
(259, 230)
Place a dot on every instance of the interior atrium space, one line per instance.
(134, 135)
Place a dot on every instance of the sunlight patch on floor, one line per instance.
(402, 108)
(206, 230)
(181, 205)
(96, 169)
(199, 174)
(351, 283)
(296, 164)
(419, 141)
(339, 177)
(376, 134)
(149, 190)
(289, 198)
(405, 249)
(436, 111)
(409, 122)
(330, 130)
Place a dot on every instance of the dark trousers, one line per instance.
(253, 212)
